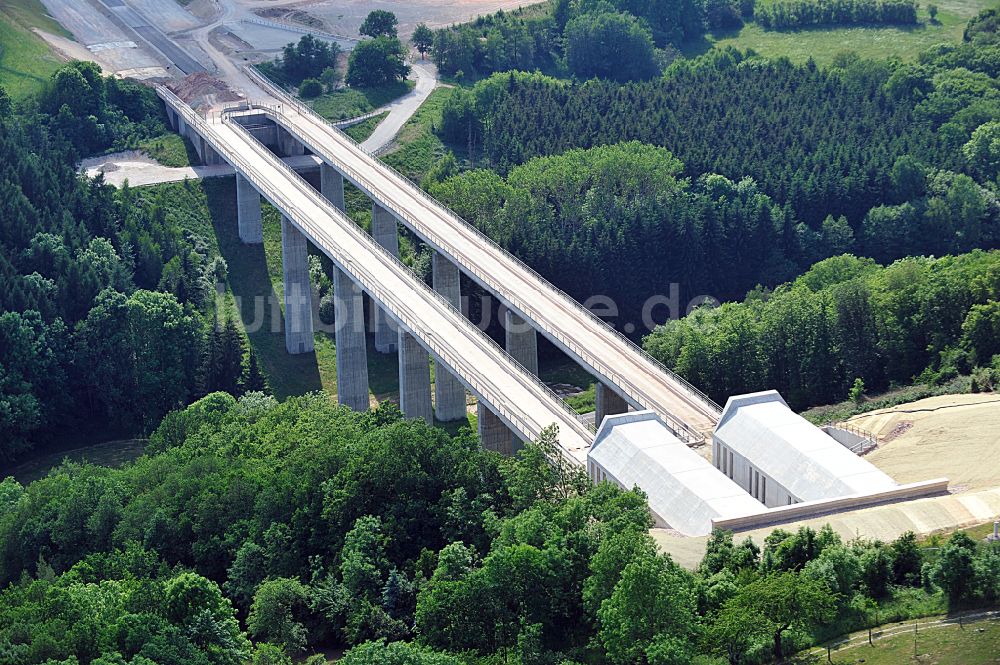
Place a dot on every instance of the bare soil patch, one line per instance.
(956, 436)
(201, 89)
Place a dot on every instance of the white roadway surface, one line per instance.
(554, 313)
(516, 395)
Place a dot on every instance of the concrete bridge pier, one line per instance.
(493, 433)
(414, 379)
(609, 403)
(522, 341)
(522, 345)
(248, 212)
(352, 352)
(449, 393)
(298, 289)
(332, 186)
(172, 117)
(288, 144)
(386, 233)
(208, 154)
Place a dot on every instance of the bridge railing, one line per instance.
(479, 384)
(695, 396)
(428, 292)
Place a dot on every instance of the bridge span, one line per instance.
(413, 319)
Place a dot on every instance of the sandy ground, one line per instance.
(104, 42)
(952, 436)
(140, 169)
(344, 17)
(956, 436)
(885, 523)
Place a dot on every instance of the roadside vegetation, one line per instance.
(170, 150)
(375, 75)
(406, 544)
(349, 102)
(364, 129)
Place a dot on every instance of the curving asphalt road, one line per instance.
(403, 108)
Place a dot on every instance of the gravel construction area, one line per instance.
(344, 17)
(107, 44)
(955, 436)
(268, 38)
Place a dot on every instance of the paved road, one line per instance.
(403, 108)
(618, 362)
(517, 396)
(140, 26)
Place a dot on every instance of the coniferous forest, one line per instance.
(106, 303)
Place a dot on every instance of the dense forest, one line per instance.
(625, 213)
(620, 40)
(823, 141)
(313, 526)
(105, 302)
(845, 319)
(771, 167)
(791, 14)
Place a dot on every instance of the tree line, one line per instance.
(257, 531)
(847, 318)
(620, 221)
(106, 301)
(794, 14)
(621, 40)
(823, 141)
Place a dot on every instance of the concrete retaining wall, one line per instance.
(810, 509)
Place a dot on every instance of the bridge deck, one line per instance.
(642, 381)
(517, 396)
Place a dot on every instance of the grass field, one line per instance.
(363, 130)
(26, 61)
(974, 643)
(170, 150)
(823, 44)
(352, 102)
(419, 147)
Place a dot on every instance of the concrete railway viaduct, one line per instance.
(418, 322)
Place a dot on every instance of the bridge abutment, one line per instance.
(352, 352)
(414, 379)
(298, 289)
(449, 393)
(609, 403)
(385, 231)
(331, 186)
(248, 212)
